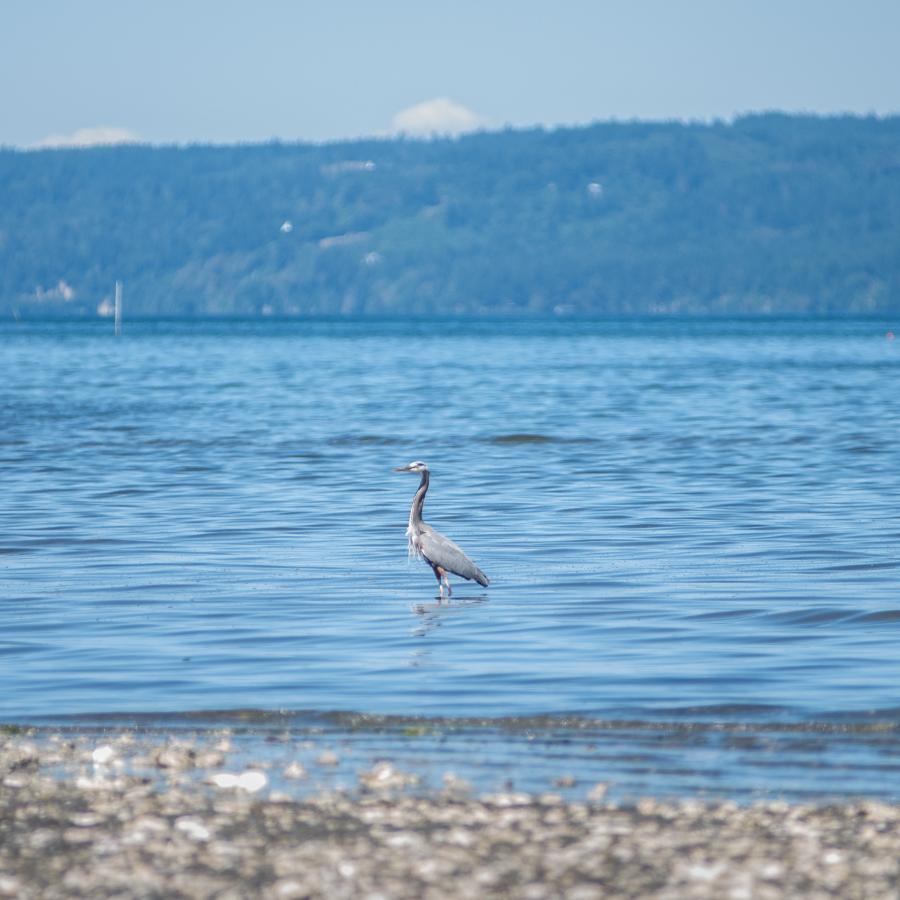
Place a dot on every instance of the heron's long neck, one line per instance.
(415, 511)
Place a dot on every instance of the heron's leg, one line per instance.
(439, 573)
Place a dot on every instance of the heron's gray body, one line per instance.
(437, 550)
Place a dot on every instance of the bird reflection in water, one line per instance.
(432, 616)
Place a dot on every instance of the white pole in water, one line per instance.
(118, 309)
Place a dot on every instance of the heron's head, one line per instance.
(417, 466)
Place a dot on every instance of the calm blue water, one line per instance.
(688, 520)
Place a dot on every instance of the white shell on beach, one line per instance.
(250, 781)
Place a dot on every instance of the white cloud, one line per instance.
(439, 116)
(102, 135)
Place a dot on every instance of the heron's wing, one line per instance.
(441, 551)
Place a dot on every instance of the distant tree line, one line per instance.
(770, 213)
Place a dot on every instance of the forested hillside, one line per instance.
(770, 213)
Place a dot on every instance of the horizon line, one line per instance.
(399, 136)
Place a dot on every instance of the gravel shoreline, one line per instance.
(115, 816)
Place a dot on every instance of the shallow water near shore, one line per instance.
(567, 756)
(684, 522)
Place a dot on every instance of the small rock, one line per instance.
(703, 873)
(193, 828)
(249, 781)
(772, 871)
(103, 755)
(209, 759)
(174, 756)
(384, 777)
(97, 783)
(85, 819)
(10, 886)
(510, 798)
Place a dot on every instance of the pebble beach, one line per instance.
(130, 815)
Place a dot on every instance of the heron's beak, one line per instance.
(403, 469)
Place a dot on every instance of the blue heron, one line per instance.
(438, 551)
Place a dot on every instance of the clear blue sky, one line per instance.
(197, 70)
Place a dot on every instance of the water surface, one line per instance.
(691, 521)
